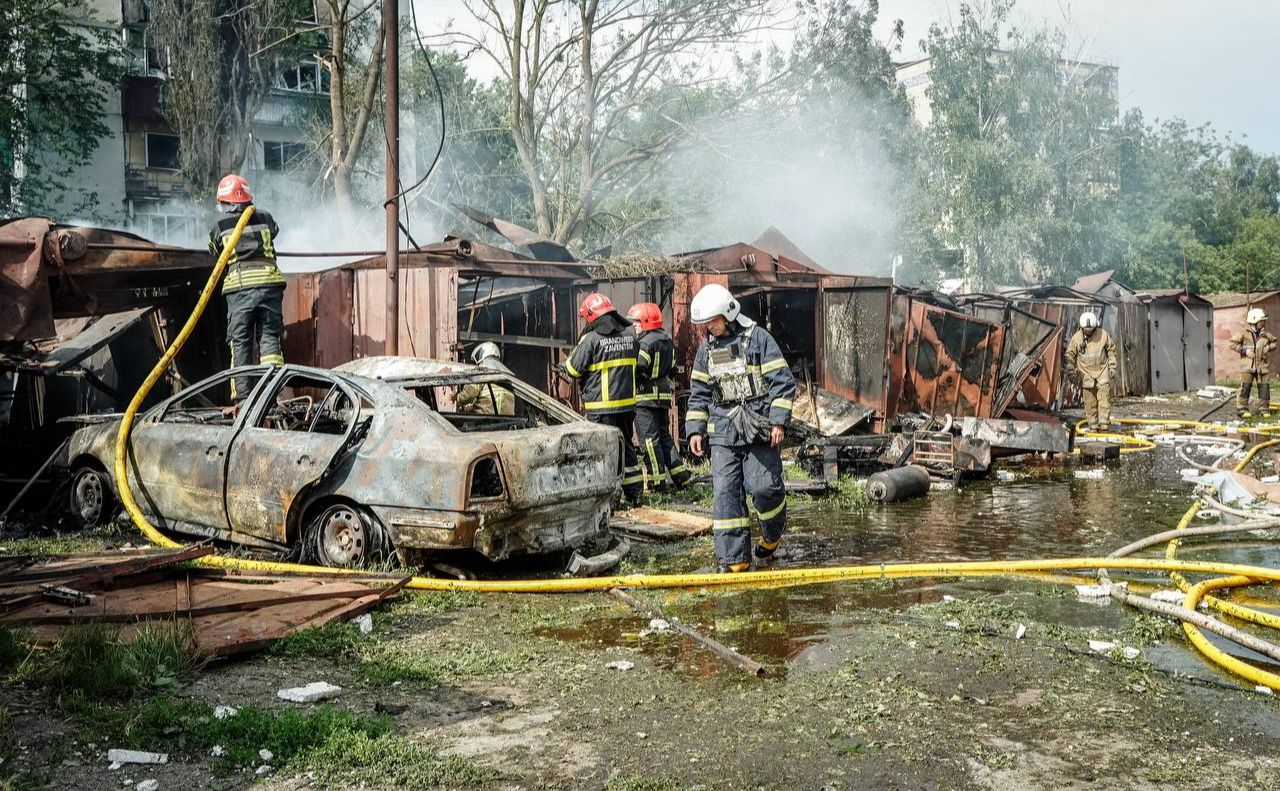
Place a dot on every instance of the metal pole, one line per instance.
(391, 26)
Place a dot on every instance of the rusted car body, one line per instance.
(345, 467)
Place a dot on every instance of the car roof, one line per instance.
(402, 368)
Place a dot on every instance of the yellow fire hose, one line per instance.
(793, 576)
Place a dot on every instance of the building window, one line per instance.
(279, 156)
(169, 228)
(307, 77)
(162, 151)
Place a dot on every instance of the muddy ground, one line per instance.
(911, 685)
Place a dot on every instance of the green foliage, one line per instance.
(91, 662)
(336, 638)
(339, 746)
(55, 78)
(12, 650)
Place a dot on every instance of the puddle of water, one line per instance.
(1052, 514)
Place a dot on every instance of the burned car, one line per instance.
(340, 468)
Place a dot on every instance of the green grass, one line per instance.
(634, 783)
(60, 543)
(12, 650)
(699, 494)
(387, 663)
(336, 638)
(339, 746)
(91, 662)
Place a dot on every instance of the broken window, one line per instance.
(492, 405)
(280, 155)
(163, 151)
(307, 77)
(311, 404)
(210, 403)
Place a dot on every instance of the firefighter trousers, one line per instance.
(1097, 404)
(632, 475)
(738, 472)
(658, 454)
(254, 314)
(1247, 381)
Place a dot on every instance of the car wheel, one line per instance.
(92, 501)
(344, 534)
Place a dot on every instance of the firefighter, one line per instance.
(740, 401)
(657, 359)
(1254, 345)
(252, 284)
(604, 363)
(1091, 354)
(487, 398)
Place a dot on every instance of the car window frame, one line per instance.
(156, 413)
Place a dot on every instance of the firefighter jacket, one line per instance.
(745, 370)
(253, 261)
(604, 363)
(1254, 349)
(657, 360)
(1094, 358)
(488, 398)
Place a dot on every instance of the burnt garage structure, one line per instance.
(1182, 337)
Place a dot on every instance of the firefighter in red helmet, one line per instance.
(604, 363)
(656, 361)
(252, 284)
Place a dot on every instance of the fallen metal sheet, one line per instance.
(660, 524)
(76, 340)
(834, 414)
(93, 569)
(1020, 435)
(26, 310)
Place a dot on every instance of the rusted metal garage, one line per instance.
(1181, 336)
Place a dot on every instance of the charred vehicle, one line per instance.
(340, 468)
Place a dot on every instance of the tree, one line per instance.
(590, 87)
(1018, 162)
(353, 86)
(54, 75)
(220, 67)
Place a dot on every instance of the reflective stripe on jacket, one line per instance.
(657, 359)
(1260, 343)
(604, 363)
(705, 416)
(253, 261)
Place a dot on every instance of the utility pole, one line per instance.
(391, 23)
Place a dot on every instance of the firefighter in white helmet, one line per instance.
(1254, 345)
(740, 400)
(1091, 358)
(487, 398)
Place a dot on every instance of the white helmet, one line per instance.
(1256, 315)
(1088, 320)
(713, 300)
(484, 351)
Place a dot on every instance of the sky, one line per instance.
(1207, 62)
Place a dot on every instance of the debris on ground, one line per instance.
(1091, 475)
(364, 622)
(121, 756)
(659, 524)
(228, 614)
(620, 664)
(314, 692)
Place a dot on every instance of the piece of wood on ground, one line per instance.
(661, 524)
(744, 663)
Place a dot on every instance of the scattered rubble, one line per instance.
(620, 664)
(121, 757)
(314, 692)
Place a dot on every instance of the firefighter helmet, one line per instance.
(647, 314)
(595, 306)
(713, 300)
(1255, 316)
(1088, 320)
(233, 189)
(484, 351)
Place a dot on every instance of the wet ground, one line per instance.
(985, 683)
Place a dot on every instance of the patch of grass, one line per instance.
(699, 494)
(55, 543)
(848, 494)
(388, 663)
(92, 662)
(648, 784)
(413, 603)
(12, 650)
(339, 746)
(336, 638)
(391, 760)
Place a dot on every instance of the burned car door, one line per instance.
(300, 425)
(179, 454)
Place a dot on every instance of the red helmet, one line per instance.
(233, 189)
(595, 306)
(647, 314)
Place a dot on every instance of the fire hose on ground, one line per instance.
(1235, 574)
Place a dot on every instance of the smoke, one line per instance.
(822, 171)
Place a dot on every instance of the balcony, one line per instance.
(142, 183)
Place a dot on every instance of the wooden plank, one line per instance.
(662, 524)
(102, 568)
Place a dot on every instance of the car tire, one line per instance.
(345, 534)
(91, 501)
